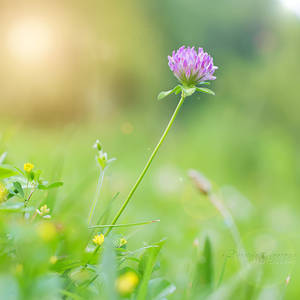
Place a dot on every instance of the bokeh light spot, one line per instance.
(30, 40)
(292, 5)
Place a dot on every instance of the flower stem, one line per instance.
(94, 204)
(119, 213)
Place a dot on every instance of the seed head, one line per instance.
(202, 183)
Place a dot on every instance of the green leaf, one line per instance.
(20, 171)
(203, 277)
(160, 288)
(11, 207)
(164, 94)
(228, 290)
(189, 91)
(49, 186)
(177, 89)
(2, 157)
(70, 295)
(205, 82)
(18, 188)
(146, 267)
(108, 269)
(205, 90)
(208, 262)
(55, 185)
(6, 172)
(37, 175)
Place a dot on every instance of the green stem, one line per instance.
(222, 272)
(26, 216)
(119, 213)
(94, 204)
(124, 225)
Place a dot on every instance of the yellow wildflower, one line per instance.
(123, 242)
(53, 260)
(46, 231)
(28, 167)
(43, 210)
(98, 239)
(3, 192)
(127, 282)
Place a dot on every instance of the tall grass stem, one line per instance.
(95, 201)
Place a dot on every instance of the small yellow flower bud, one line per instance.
(53, 260)
(3, 192)
(28, 167)
(123, 242)
(43, 210)
(98, 239)
(127, 282)
(46, 231)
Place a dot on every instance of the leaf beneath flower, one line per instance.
(189, 91)
(205, 90)
(164, 94)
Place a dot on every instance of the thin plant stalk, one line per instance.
(26, 215)
(205, 188)
(231, 225)
(140, 178)
(222, 271)
(124, 225)
(94, 204)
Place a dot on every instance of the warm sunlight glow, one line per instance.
(292, 5)
(30, 40)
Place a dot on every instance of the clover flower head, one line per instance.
(28, 167)
(98, 239)
(127, 282)
(191, 67)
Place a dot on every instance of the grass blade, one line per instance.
(124, 225)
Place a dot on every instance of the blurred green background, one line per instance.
(75, 71)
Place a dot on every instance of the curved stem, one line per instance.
(94, 204)
(119, 213)
(229, 221)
